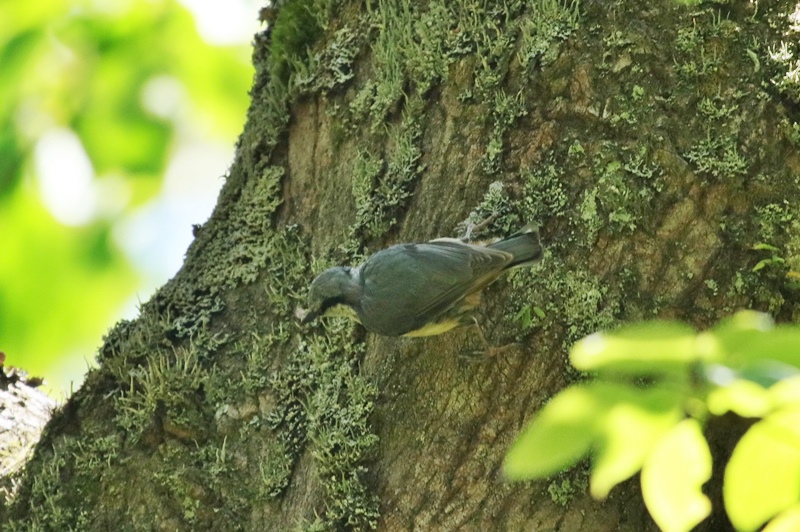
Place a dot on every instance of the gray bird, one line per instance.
(419, 289)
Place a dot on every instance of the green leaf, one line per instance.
(750, 337)
(651, 347)
(635, 421)
(762, 477)
(560, 435)
(622, 421)
(787, 521)
(743, 397)
(786, 392)
(760, 265)
(673, 475)
(524, 316)
(767, 372)
(767, 247)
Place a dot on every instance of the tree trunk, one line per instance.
(654, 142)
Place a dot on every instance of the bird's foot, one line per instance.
(472, 227)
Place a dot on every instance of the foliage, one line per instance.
(95, 73)
(657, 384)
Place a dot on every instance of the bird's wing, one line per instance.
(408, 285)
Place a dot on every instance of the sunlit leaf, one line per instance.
(653, 347)
(786, 392)
(673, 475)
(787, 521)
(743, 397)
(635, 421)
(557, 437)
(746, 320)
(752, 336)
(621, 421)
(762, 477)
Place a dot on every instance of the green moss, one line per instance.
(505, 111)
(165, 386)
(589, 216)
(498, 207)
(548, 23)
(290, 387)
(626, 180)
(793, 250)
(382, 190)
(367, 170)
(285, 270)
(717, 108)
(341, 440)
(163, 378)
(276, 467)
(323, 404)
(718, 157)
(332, 67)
(585, 304)
(54, 508)
(701, 52)
(544, 195)
(774, 220)
(296, 29)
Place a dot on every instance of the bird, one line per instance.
(420, 289)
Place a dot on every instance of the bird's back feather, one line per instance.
(409, 286)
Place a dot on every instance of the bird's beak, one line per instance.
(308, 316)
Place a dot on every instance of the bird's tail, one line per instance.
(524, 245)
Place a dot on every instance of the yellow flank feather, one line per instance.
(432, 329)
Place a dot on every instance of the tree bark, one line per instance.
(24, 410)
(655, 143)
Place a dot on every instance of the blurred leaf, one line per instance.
(787, 521)
(621, 421)
(786, 393)
(58, 285)
(635, 421)
(762, 477)
(746, 320)
(767, 372)
(88, 66)
(750, 337)
(11, 159)
(646, 348)
(557, 437)
(673, 475)
(743, 397)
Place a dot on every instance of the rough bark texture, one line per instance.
(24, 411)
(654, 142)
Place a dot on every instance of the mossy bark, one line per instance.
(655, 143)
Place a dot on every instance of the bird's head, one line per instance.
(328, 294)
